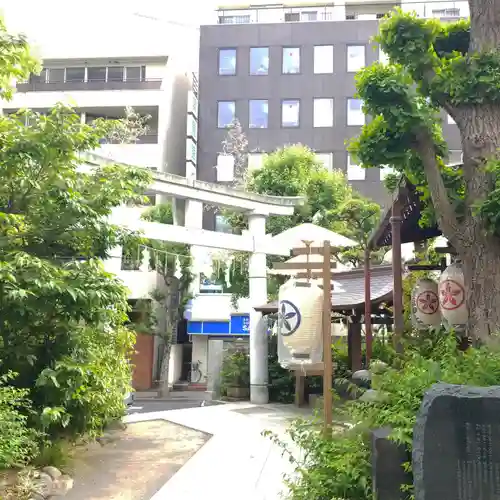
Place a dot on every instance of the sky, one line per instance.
(59, 28)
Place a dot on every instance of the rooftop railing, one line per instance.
(447, 10)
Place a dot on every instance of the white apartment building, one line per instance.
(102, 87)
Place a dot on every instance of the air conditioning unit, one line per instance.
(225, 168)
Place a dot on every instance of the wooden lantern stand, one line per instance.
(321, 270)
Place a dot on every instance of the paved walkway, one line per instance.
(237, 461)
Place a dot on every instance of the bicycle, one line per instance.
(194, 375)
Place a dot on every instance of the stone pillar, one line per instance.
(257, 280)
(83, 117)
(214, 367)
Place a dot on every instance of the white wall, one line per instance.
(200, 353)
(172, 119)
(155, 71)
(142, 155)
(175, 365)
(139, 283)
(86, 99)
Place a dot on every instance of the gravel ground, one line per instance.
(134, 463)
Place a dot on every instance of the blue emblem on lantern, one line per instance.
(289, 318)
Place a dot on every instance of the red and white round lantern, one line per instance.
(452, 298)
(425, 303)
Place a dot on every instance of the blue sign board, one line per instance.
(239, 324)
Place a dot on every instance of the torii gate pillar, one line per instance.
(257, 284)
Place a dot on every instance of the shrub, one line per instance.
(84, 392)
(235, 369)
(338, 466)
(18, 443)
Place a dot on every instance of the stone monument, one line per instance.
(456, 444)
(388, 459)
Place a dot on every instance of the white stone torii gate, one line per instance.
(256, 207)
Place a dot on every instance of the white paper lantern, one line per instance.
(452, 298)
(425, 303)
(300, 319)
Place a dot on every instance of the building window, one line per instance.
(323, 113)
(192, 103)
(75, 74)
(290, 113)
(311, 15)
(222, 225)
(135, 73)
(258, 113)
(259, 60)
(225, 113)
(451, 12)
(291, 60)
(56, 75)
(192, 127)
(191, 151)
(355, 115)
(451, 121)
(326, 160)
(115, 73)
(41, 78)
(323, 59)
(354, 172)
(96, 74)
(355, 57)
(255, 161)
(385, 170)
(227, 62)
(292, 17)
(234, 19)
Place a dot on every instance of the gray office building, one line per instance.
(287, 74)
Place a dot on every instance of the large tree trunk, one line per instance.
(479, 126)
(171, 308)
(163, 387)
(481, 264)
(479, 249)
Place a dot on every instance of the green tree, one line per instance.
(329, 202)
(455, 67)
(295, 171)
(355, 218)
(172, 297)
(129, 129)
(61, 314)
(17, 61)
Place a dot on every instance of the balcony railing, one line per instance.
(146, 84)
(143, 139)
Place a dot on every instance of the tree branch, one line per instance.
(444, 209)
(429, 75)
